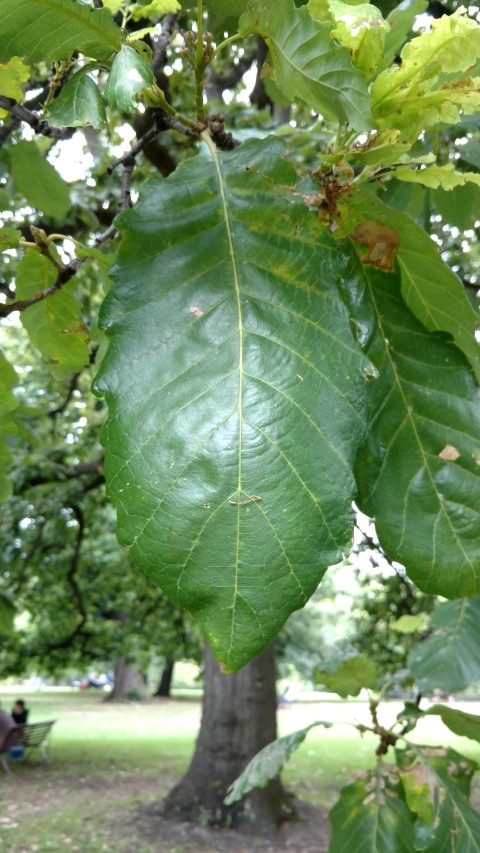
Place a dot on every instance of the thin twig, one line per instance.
(134, 150)
(21, 113)
(162, 42)
(62, 278)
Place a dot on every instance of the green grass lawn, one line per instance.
(134, 752)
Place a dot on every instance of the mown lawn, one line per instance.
(109, 760)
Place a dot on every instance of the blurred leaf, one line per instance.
(38, 181)
(45, 30)
(459, 722)
(459, 206)
(446, 176)
(12, 75)
(8, 403)
(193, 375)
(78, 104)
(409, 624)
(371, 815)
(449, 659)
(55, 324)
(267, 763)
(153, 8)
(307, 63)
(9, 238)
(437, 786)
(129, 75)
(350, 678)
(7, 615)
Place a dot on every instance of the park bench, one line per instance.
(28, 736)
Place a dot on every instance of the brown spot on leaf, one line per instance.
(198, 312)
(381, 241)
(449, 453)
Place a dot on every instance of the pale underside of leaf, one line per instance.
(235, 393)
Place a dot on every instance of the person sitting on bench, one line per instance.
(7, 725)
(19, 712)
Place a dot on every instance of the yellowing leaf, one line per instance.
(362, 30)
(416, 94)
(156, 9)
(12, 74)
(434, 176)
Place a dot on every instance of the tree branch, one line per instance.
(64, 275)
(21, 113)
(162, 42)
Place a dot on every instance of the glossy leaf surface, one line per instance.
(371, 816)
(236, 395)
(78, 104)
(130, 74)
(449, 658)
(45, 30)
(54, 325)
(308, 64)
(418, 474)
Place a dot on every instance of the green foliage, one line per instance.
(371, 815)
(79, 104)
(208, 412)
(8, 403)
(129, 75)
(351, 676)
(38, 181)
(449, 658)
(12, 75)
(46, 30)
(307, 64)
(7, 615)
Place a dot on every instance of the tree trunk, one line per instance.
(166, 679)
(129, 682)
(238, 719)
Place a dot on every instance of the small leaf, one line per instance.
(38, 181)
(371, 815)
(12, 75)
(361, 29)
(449, 659)
(46, 30)
(307, 63)
(55, 324)
(129, 75)
(153, 9)
(267, 763)
(352, 676)
(414, 94)
(459, 722)
(9, 238)
(7, 615)
(446, 176)
(409, 624)
(78, 104)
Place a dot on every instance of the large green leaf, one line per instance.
(308, 64)
(459, 722)
(371, 816)
(449, 659)
(437, 787)
(430, 289)
(418, 474)
(54, 324)
(78, 104)
(268, 763)
(416, 94)
(45, 30)
(236, 395)
(38, 181)
(8, 380)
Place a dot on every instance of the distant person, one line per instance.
(19, 712)
(7, 725)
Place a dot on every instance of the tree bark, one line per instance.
(238, 719)
(129, 682)
(166, 679)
